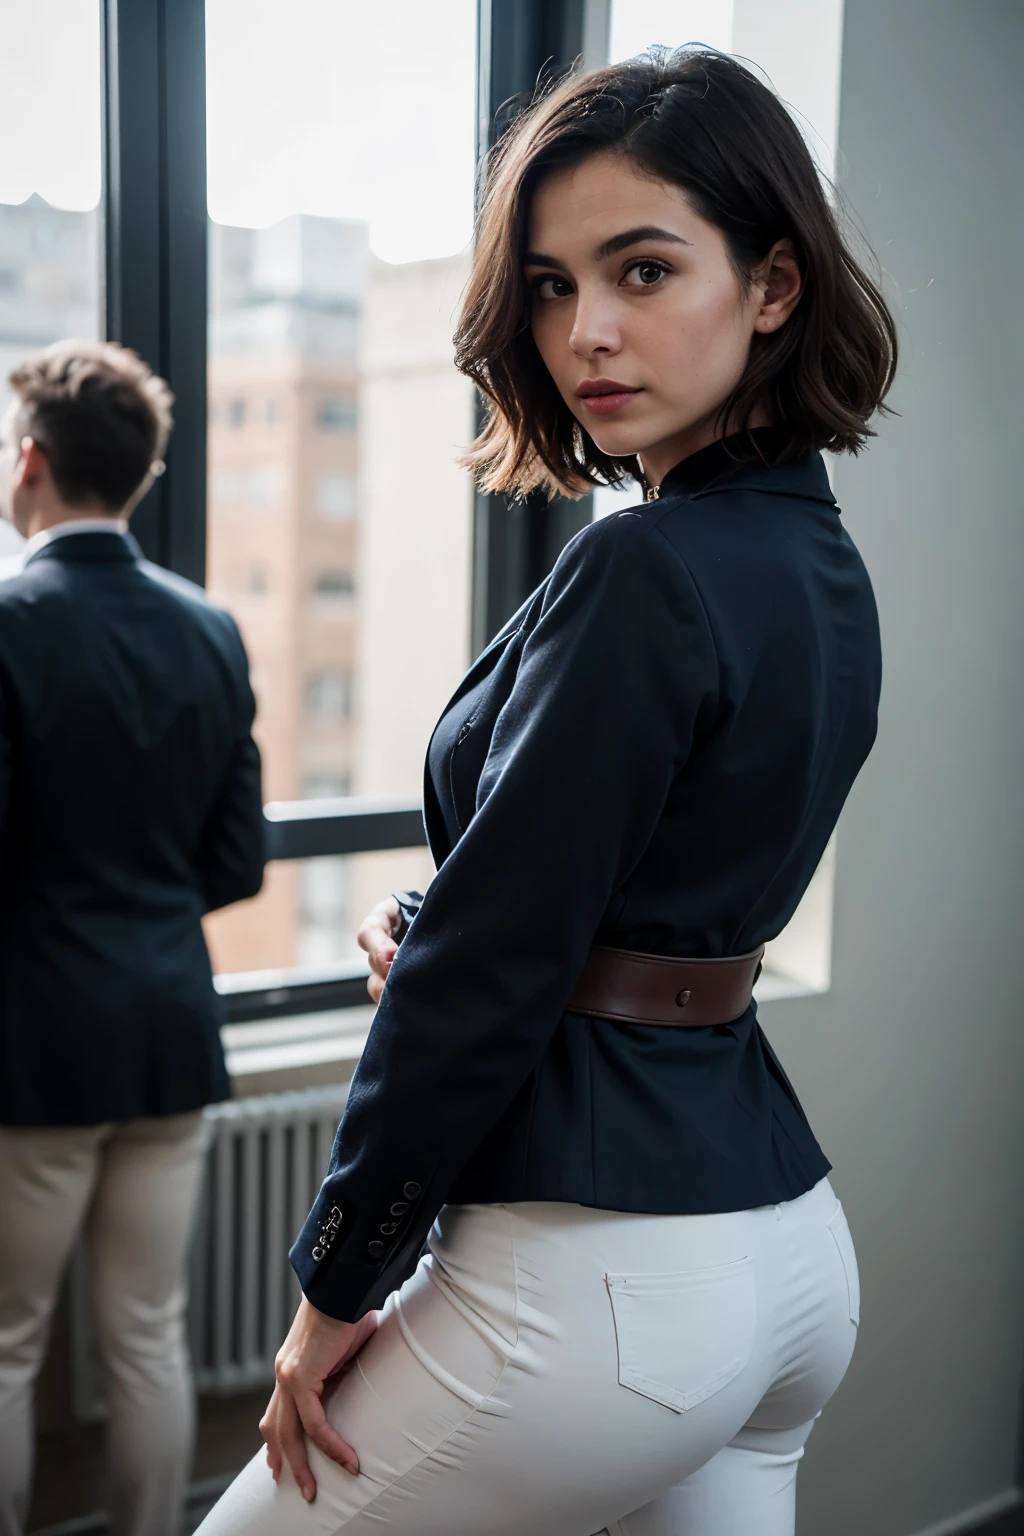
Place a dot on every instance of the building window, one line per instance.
(336, 495)
(273, 413)
(257, 580)
(329, 696)
(334, 586)
(327, 786)
(336, 414)
(236, 413)
(226, 485)
(262, 484)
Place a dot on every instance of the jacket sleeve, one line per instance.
(234, 844)
(618, 667)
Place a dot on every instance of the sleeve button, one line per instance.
(389, 1228)
(399, 1208)
(411, 1190)
(375, 1250)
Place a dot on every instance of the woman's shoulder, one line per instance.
(621, 575)
(617, 549)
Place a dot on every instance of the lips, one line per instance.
(603, 396)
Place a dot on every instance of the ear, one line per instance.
(781, 283)
(32, 465)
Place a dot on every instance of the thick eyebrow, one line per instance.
(634, 237)
(610, 247)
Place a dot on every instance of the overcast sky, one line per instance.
(337, 107)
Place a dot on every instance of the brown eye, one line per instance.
(645, 274)
(551, 287)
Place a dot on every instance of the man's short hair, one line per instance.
(99, 414)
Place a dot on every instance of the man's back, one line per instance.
(129, 805)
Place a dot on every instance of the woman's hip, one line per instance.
(550, 1367)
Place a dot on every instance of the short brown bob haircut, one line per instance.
(101, 417)
(702, 121)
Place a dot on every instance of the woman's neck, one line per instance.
(656, 461)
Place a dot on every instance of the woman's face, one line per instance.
(638, 312)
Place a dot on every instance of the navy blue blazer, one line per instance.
(129, 805)
(652, 754)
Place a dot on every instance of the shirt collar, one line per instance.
(743, 461)
(38, 541)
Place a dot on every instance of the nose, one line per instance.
(595, 331)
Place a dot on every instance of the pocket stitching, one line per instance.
(662, 1392)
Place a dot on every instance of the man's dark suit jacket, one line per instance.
(129, 805)
(651, 755)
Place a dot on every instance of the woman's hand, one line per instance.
(377, 937)
(316, 1348)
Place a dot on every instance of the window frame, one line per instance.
(156, 253)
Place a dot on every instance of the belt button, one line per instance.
(411, 1190)
(682, 998)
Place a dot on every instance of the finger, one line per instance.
(385, 920)
(375, 987)
(381, 957)
(323, 1434)
(293, 1447)
(274, 1461)
(392, 913)
(268, 1429)
(273, 1450)
(371, 934)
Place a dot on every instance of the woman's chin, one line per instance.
(621, 442)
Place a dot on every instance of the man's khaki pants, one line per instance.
(131, 1188)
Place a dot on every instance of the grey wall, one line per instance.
(912, 1067)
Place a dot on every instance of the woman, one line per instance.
(639, 1290)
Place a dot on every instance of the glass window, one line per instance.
(329, 696)
(326, 786)
(334, 591)
(325, 886)
(336, 414)
(50, 186)
(636, 24)
(236, 413)
(336, 495)
(337, 258)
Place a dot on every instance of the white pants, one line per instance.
(556, 1371)
(132, 1187)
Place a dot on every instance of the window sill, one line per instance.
(775, 986)
(309, 1050)
(304, 1051)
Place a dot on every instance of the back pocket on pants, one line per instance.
(682, 1337)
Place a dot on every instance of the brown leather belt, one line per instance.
(633, 988)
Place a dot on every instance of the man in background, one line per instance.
(130, 805)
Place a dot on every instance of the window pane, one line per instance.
(50, 182)
(339, 523)
(636, 24)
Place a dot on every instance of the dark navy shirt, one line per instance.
(652, 754)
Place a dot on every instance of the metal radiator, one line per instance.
(264, 1164)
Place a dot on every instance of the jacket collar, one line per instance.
(105, 545)
(740, 462)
